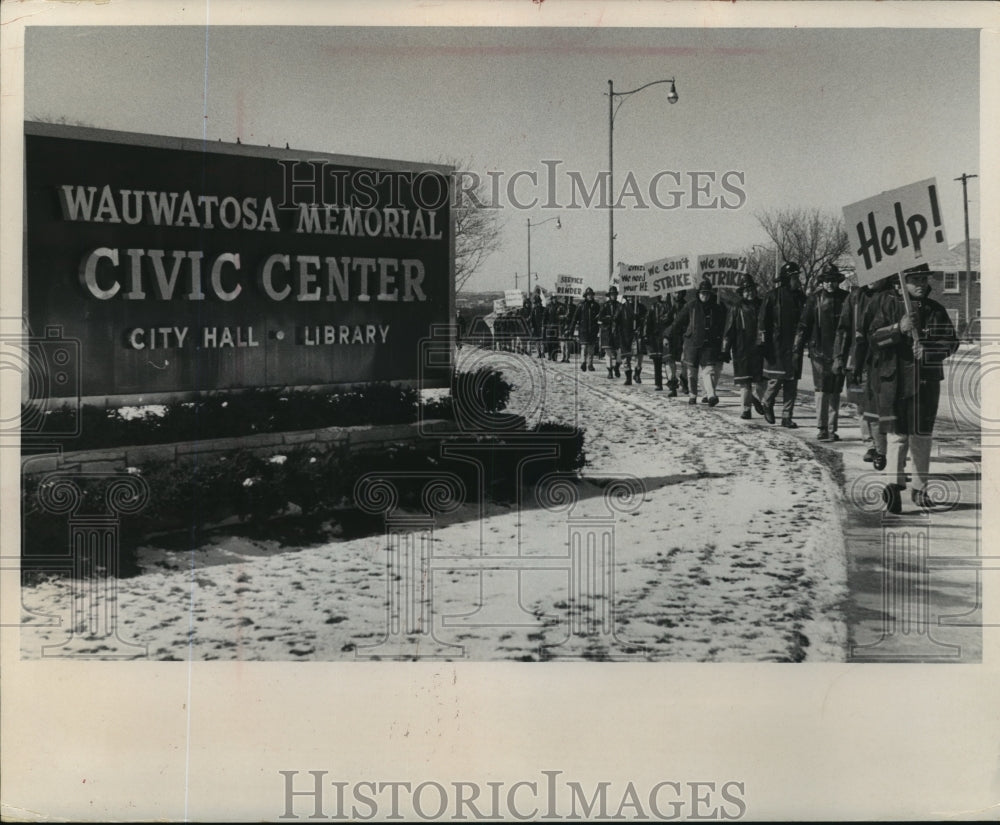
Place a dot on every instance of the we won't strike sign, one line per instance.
(895, 230)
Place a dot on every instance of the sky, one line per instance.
(810, 118)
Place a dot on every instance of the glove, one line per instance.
(918, 351)
(838, 366)
(905, 323)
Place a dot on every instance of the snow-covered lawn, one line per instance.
(731, 551)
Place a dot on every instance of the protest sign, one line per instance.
(499, 306)
(895, 230)
(669, 275)
(632, 280)
(569, 285)
(722, 269)
(514, 298)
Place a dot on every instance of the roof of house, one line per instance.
(954, 259)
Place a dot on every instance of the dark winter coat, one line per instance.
(658, 318)
(896, 378)
(818, 324)
(616, 325)
(777, 324)
(586, 320)
(701, 324)
(740, 340)
(849, 331)
(675, 337)
(553, 318)
(639, 313)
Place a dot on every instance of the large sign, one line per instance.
(569, 285)
(895, 230)
(632, 280)
(669, 275)
(722, 269)
(181, 266)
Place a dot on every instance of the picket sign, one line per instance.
(569, 285)
(667, 275)
(722, 269)
(632, 282)
(894, 231)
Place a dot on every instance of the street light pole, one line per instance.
(968, 257)
(530, 227)
(612, 111)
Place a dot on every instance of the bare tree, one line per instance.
(478, 222)
(810, 237)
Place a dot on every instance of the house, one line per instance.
(956, 289)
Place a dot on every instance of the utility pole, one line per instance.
(968, 257)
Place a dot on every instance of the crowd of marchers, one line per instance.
(890, 360)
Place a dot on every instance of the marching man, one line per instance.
(777, 324)
(616, 335)
(818, 331)
(739, 343)
(658, 318)
(852, 358)
(702, 323)
(639, 337)
(907, 355)
(587, 320)
(675, 348)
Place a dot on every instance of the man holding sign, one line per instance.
(910, 336)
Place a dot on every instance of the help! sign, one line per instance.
(895, 230)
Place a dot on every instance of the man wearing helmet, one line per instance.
(553, 319)
(907, 356)
(818, 330)
(616, 335)
(586, 319)
(777, 324)
(739, 343)
(702, 323)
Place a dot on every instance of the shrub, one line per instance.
(191, 496)
(274, 410)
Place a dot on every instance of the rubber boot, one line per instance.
(672, 385)
(618, 370)
(628, 378)
(636, 375)
(658, 375)
(684, 384)
(611, 373)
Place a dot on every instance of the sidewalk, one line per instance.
(914, 579)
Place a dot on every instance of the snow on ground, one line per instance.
(732, 551)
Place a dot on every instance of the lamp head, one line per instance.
(558, 223)
(672, 95)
